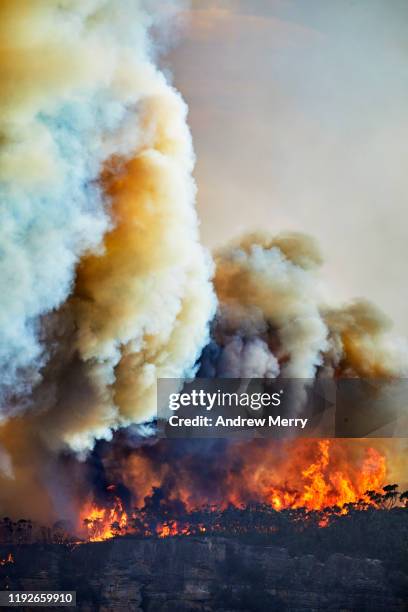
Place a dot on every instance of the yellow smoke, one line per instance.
(98, 162)
(273, 285)
(143, 304)
(100, 229)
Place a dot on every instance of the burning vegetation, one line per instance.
(159, 518)
(224, 487)
(85, 336)
(8, 560)
(260, 519)
(310, 497)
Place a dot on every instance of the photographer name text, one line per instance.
(238, 421)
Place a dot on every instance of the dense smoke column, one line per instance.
(98, 226)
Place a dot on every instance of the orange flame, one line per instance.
(324, 485)
(7, 560)
(104, 523)
(314, 475)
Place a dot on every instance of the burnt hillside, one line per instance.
(208, 574)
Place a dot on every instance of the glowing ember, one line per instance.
(7, 560)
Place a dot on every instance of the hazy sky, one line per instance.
(299, 117)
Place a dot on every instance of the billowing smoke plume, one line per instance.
(273, 319)
(98, 221)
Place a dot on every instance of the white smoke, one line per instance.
(63, 111)
(272, 305)
(98, 207)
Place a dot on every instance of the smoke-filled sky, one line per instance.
(298, 113)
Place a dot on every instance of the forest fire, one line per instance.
(170, 498)
(101, 523)
(8, 560)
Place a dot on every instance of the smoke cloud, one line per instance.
(273, 312)
(104, 281)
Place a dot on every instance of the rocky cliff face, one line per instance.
(203, 574)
